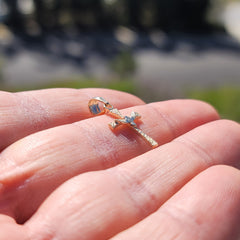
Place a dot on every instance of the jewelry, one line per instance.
(107, 108)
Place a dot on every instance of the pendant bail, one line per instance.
(94, 107)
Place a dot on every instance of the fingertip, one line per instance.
(186, 114)
(229, 139)
(230, 126)
(208, 108)
(194, 109)
(222, 178)
(205, 108)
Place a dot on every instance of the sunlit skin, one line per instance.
(66, 176)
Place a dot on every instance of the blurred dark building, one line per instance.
(168, 15)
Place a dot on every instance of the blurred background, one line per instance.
(156, 49)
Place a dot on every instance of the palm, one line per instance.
(65, 175)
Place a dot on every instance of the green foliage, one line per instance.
(123, 64)
(126, 85)
(225, 99)
(75, 82)
(1, 70)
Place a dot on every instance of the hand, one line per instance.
(67, 176)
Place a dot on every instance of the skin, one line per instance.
(66, 176)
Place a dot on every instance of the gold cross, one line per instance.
(121, 120)
(125, 120)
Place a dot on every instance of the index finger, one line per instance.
(25, 113)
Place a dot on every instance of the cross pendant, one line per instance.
(120, 119)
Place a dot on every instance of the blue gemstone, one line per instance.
(95, 109)
(128, 119)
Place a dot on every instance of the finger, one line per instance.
(206, 208)
(10, 230)
(48, 158)
(118, 198)
(28, 112)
